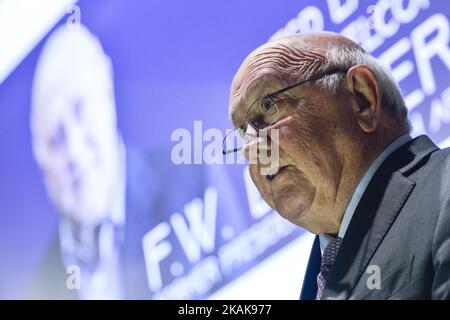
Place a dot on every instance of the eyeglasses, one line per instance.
(267, 110)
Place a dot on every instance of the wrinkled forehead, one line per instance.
(253, 87)
(268, 69)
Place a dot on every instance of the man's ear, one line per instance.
(363, 85)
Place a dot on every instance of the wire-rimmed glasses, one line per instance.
(267, 111)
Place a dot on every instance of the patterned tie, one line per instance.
(328, 257)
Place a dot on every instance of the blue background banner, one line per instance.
(195, 228)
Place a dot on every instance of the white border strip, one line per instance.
(279, 277)
(23, 23)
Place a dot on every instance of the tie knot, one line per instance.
(329, 255)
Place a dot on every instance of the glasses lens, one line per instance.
(267, 113)
(272, 114)
(263, 113)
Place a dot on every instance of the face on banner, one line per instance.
(73, 124)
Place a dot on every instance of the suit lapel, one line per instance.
(381, 203)
(371, 221)
(309, 288)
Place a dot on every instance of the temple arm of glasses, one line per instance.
(314, 78)
(225, 152)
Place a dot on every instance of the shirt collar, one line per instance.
(359, 191)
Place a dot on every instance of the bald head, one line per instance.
(291, 58)
(332, 126)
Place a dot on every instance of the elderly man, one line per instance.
(348, 170)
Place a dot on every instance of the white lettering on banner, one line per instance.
(409, 12)
(383, 28)
(425, 51)
(400, 15)
(197, 282)
(403, 69)
(340, 11)
(209, 271)
(196, 235)
(370, 13)
(198, 143)
(200, 231)
(211, 152)
(181, 152)
(440, 111)
(155, 250)
(310, 19)
(253, 242)
(360, 32)
(391, 55)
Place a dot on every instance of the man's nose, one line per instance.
(250, 143)
(74, 145)
(254, 143)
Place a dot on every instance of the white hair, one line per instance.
(344, 58)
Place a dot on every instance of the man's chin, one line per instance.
(290, 210)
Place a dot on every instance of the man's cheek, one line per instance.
(295, 146)
(290, 139)
(254, 174)
(291, 152)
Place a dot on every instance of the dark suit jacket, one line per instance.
(399, 233)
